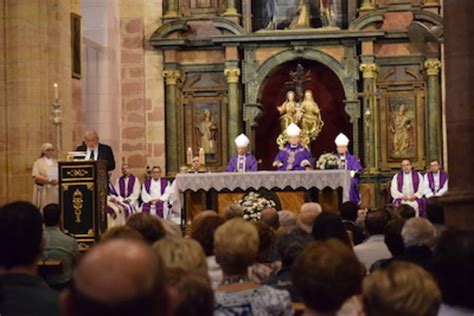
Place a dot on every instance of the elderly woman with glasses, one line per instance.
(45, 176)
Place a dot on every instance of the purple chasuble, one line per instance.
(131, 182)
(126, 207)
(352, 163)
(292, 157)
(443, 177)
(233, 165)
(415, 179)
(159, 205)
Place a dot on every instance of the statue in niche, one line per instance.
(305, 114)
(207, 132)
(288, 110)
(402, 130)
(327, 13)
(303, 16)
(311, 122)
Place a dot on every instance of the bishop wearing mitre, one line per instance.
(243, 161)
(349, 162)
(293, 156)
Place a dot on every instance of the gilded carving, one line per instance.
(232, 74)
(432, 66)
(171, 76)
(77, 204)
(77, 173)
(369, 70)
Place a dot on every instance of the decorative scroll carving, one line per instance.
(77, 204)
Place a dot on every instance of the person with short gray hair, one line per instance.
(307, 216)
(418, 237)
(95, 150)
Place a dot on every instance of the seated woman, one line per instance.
(236, 246)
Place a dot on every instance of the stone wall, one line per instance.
(35, 52)
(141, 86)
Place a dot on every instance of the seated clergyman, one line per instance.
(293, 156)
(408, 187)
(243, 161)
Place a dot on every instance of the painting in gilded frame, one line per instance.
(402, 127)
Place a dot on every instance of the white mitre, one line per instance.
(242, 141)
(293, 130)
(341, 140)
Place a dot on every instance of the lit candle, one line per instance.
(56, 91)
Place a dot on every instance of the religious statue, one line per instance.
(303, 16)
(305, 114)
(311, 122)
(327, 13)
(207, 132)
(288, 110)
(402, 130)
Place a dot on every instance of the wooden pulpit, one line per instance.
(83, 200)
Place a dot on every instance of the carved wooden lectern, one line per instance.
(83, 200)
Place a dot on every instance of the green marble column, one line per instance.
(171, 79)
(371, 126)
(232, 74)
(434, 110)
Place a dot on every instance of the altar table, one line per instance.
(231, 181)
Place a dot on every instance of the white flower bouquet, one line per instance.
(252, 204)
(327, 161)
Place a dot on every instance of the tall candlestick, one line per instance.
(189, 156)
(56, 91)
(202, 156)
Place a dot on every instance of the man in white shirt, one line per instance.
(374, 247)
(436, 180)
(408, 187)
(155, 194)
(128, 189)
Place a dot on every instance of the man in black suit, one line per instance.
(96, 151)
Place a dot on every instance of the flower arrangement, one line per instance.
(327, 161)
(252, 204)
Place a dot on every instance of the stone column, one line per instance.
(371, 125)
(231, 10)
(432, 66)
(171, 9)
(232, 74)
(459, 53)
(172, 77)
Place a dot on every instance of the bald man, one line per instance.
(269, 216)
(111, 281)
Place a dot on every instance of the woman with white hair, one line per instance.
(45, 176)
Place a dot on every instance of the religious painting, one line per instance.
(207, 128)
(76, 45)
(401, 127)
(202, 7)
(296, 14)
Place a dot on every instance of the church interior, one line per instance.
(173, 88)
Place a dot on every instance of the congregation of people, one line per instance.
(315, 261)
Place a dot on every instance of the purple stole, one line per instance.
(113, 192)
(159, 205)
(443, 177)
(131, 183)
(415, 178)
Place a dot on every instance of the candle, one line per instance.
(189, 156)
(56, 92)
(202, 157)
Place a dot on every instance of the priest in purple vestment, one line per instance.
(408, 187)
(436, 180)
(293, 156)
(349, 162)
(128, 188)
(155, 194)
(243, 161)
